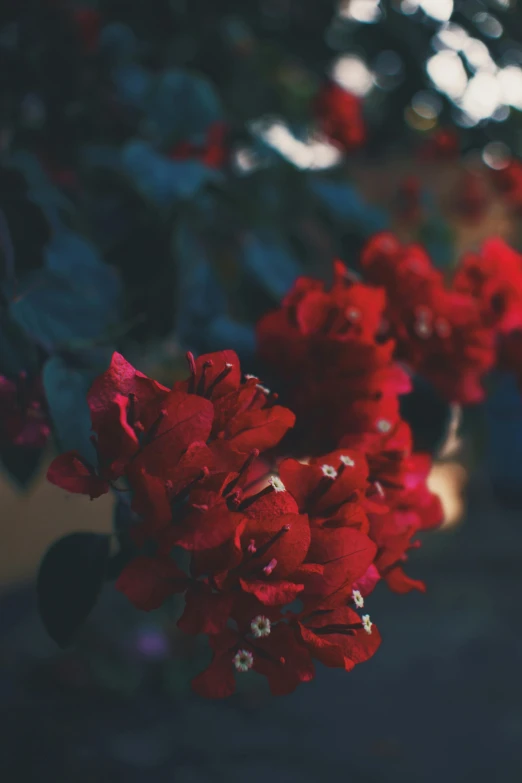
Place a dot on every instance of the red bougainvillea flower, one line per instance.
(149, 581)
(340, 117)
(408, 506)
(443, 145)
(143, 428)
(282, 646)
(253, 552)
(338, 376)
(245, 416)
(280, 656)
(439, 332)
(23, 421)
(212, 152)
(494, 278)
(508, 182)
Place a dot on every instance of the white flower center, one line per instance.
(260, 626)
(328, 471)
(277, 484)
(367, 623)
(384, 426)
(243, 660)
(358, 599)
(348, 461)
(352, 314)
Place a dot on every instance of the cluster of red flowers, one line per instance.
(451, 335)
(493, 278)
(285, 534)
(282, 553)
(340, 376)
(440, 331)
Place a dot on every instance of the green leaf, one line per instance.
(70, 580)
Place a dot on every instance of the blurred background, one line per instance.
(165, 175)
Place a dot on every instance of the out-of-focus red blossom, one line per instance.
(472, 198)
(23, 421)
(88, 23)
(141, 427)
(443, 145)
(508, 182)
(212, 152)
(439, 331)
(494, 278)
(339, 115)
(409, 201)
(339, 376)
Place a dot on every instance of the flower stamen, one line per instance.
(260, 626)
(243, 660)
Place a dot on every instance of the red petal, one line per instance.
(205, 611)
(229, 382)
(289, 548)
(188, 419)
(149, 581)
(273, 593)
(400, 583)
(69, 472)
(218, 681)
(204, 529)
(120, 378)
(261, 429)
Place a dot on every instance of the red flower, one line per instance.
(339, 377)
(439, 332)
(212, 152)
(338, 638)
(142, 427)
(494, 278)
(149, 581)
(339, 115)
(280, 656)
(23, 421)
(407, 505)
(245, 416)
